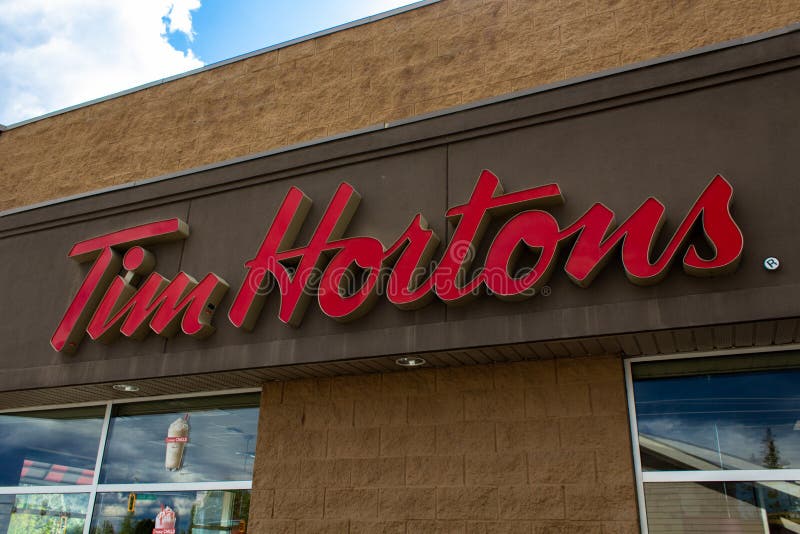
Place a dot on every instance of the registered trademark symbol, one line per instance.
(772, 264)
(546, 290)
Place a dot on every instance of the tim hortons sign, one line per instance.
(121, 293)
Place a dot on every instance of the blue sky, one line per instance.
(56, 54)
(228, 28)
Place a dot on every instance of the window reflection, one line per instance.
(187, 440)
(54, 447)
(727, 420)
(710, 507)
(189, 512)
(54, 513)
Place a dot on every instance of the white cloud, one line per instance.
(180, 16)
(58, 53)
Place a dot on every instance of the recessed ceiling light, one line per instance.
(410, 361)
(127, 388)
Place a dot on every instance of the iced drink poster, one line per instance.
(165, 521)
(177, 438)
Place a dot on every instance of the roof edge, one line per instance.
(241, 57)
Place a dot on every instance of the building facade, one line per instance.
(471, 266)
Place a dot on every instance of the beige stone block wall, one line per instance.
(532, 447)
(452, 52)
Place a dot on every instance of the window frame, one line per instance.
(95, 487)
(731, 475)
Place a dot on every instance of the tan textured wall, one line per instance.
(535, 447)
(427, 59)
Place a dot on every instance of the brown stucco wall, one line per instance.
(531, 447)
(452, 52)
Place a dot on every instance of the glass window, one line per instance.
(48, 448)
(721, 418)
(723, 507)
(55, 513)
(719, 442)
(195, 512)
(188, 440)
(202, 447)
